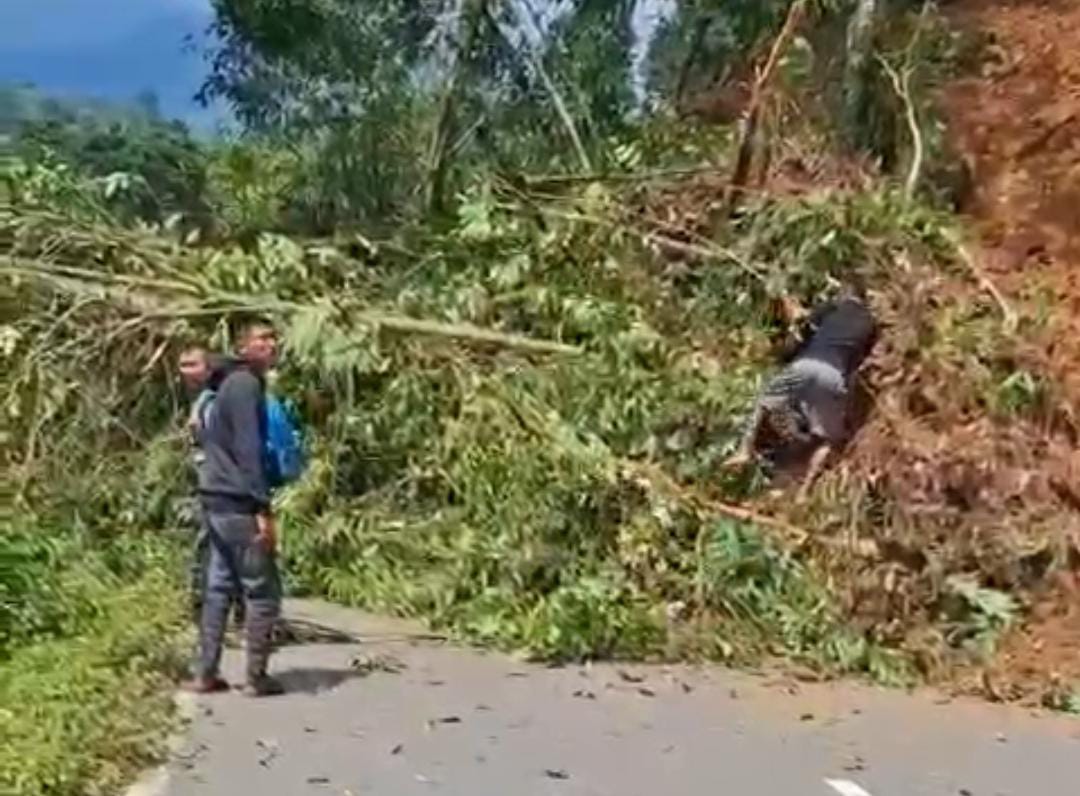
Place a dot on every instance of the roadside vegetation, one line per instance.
(528, 277)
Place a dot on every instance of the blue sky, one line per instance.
(111, 49)
(114, 49)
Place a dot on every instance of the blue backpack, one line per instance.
(283, 455)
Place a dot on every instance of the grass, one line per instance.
(87, 665)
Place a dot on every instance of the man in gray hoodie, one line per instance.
(235, 497)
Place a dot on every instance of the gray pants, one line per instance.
(238, 562)
(815, 394)
(198, 575)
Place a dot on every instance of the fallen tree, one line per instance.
(517, 434)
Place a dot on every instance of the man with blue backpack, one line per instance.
(250, 446)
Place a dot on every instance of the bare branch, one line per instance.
(751, 121)
(901, 83)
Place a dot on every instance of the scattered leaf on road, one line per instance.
(369, 664)
(431, 724)
(627, 677)
(270, 751)
(646, 692)
(556, 773)
(398, 749)
(581, 693)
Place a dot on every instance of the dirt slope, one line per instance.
(1017, 120)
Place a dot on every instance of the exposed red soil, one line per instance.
(1017, 120)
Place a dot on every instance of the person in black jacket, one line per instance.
(235, 497)
(806, 407)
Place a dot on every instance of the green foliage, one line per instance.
(250, 184)
(563, 505)
(23, 104)
(914, 39)
(84, 709)
(980, 615)
(706, 40)
(1019, 393)
(535, 504)
(1063, 698)
(150, 169)
(89, 631)
(526, 504)
(90, 603)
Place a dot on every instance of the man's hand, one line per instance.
(739, 459)
(267, 534)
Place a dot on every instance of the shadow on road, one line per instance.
(291, 632)
(314, 680)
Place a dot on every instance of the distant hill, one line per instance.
(21, 104)
(111, 49)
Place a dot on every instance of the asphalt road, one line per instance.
(422, 717)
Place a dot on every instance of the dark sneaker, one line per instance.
(206, 685)
(264, 686)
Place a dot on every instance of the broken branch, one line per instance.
(751, 121)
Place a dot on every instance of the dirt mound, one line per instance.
(968, 471)
(1016, 119)
(1042, 659)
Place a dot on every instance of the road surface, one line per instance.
(398, 715)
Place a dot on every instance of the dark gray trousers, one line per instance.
(198, 575)
(238, 562)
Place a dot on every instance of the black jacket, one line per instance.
(840, 333)
(233, 478)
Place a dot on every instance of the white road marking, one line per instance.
(845, 787)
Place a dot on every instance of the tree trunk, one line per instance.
(748, 134)
(697, 40)
(468, 23)
(535, 61)
(860, 42)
